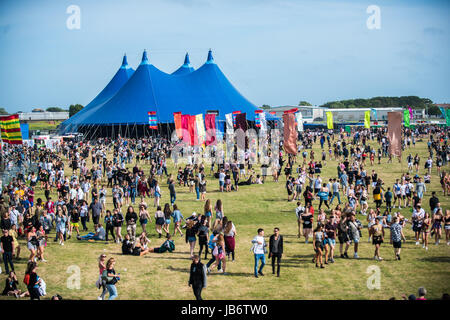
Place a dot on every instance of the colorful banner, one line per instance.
(230, 126)
(395, 133)
(330, 120)
(374, 112)
(192, 128)
(367, 119)
(241, 121)
(447, 118)
(152, 123)
(299, 119)
(185, 128)
(10, 129)
(290, 133)
(200, 126)
(235, 113)
(177, 120)
(210, 124)
(294, 110)
(258, 118)
(406, 118)
(262, 120)
(410, 112)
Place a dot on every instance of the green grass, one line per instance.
(165, 276)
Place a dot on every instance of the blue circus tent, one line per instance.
(120, 78)
(187, 90)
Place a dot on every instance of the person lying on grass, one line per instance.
(98, 235)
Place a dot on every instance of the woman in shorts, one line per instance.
(32, 244)
(144, 217)
(426, 230)
(308, 219)
(318, 244)
(167, 216)
(377, 232)
(437, 225)
(207, 210)
(160, 220)
(447, 226)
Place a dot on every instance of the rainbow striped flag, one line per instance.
(10, 126)
(152, 123)
(258, 118)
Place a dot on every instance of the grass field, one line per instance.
(165, 276)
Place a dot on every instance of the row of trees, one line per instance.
(73, 108)
(379, 102)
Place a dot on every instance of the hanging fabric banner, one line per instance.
(290, 133)
(210, 124)
(185, 128)
(241, 121)
(152, 123)
(447, 118)
(299, 119)
(10, 129)
(330, 120)
(406, 118)
(367, 119)
(177, 121)
(294, 110)
(230, 126)
(200, 126)
(410, 112)
(395, 133)
(235, 113)
(192, 131)
(374, 112)
(263, 121)
(258, 118)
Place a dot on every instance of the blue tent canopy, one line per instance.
(150, 89)
(120, 78)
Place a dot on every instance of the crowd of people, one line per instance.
(76, 180)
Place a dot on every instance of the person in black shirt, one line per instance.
(7, 245)
(276, 249)
(433, 201)
(197, 277)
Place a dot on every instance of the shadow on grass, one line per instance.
(213, 274)
(436, 259)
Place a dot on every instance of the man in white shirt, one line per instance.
(258, 250)
(417, 221)
(221, 180)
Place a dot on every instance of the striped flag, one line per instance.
(152, 123)
(234, 117)
(258, 118)
(10, 127)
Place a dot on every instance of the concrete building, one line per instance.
(309, 113)
(43, 116)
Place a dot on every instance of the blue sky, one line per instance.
(275, 52)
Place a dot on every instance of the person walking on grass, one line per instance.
(177, 217)
(259, 250)
(159, 221)
(197, 277)
(219, 254)
(110, 277)
(396, 237)
(276, 249)
(330, 239)
(117, 224)
(7, 246)
(167, 216)
(318, 236)
(377, 232)
(354, 233)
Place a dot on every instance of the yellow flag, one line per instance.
(330, 120)
(367, 119)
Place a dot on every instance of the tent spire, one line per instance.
(210, 57)
(144, 57)
(125, 61)
(186, 59)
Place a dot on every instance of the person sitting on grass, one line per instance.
(100, 234)
(168, 245)
(11, 287)
(141, 246)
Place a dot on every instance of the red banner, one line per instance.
(177, 120)
(193, 131)
(185, 128)
(290, 133)
(210, 125)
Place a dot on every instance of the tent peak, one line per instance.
(210, 57)
(144, 57)
(186, 59)
(125, 61)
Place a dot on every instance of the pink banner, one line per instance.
(210, 125)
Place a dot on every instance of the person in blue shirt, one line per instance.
(388, 198)
(323, 195)
(177, 217)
